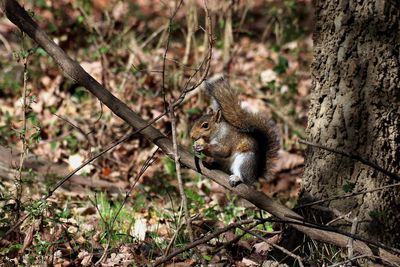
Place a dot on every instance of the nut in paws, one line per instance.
(199, 145)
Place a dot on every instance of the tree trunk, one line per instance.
(355, 107)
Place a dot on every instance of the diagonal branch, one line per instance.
(20, 17)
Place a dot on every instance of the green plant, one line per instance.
(72, 143)
(6, 132)
(348, 187)
(376, 214)
(282, 65)
(79, 94)
(287, 16)
(115, 221)
(37, 208)
(169, 166)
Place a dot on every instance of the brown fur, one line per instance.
(231, 129)
(255, 125)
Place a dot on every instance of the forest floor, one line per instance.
(53, 125)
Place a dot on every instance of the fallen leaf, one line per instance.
(262, 248)
(139, 229)
(268, 76)
(93, 68)
(288, 161)
(74, 161)
(120, 10)
(28, 238)
(248, 262)
(271, 263)
(105, 171)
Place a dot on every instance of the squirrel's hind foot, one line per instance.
(235, 180)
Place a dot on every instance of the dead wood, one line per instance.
(10, 158)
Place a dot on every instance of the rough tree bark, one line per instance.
(355, 107)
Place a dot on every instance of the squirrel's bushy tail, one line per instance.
(256, 125)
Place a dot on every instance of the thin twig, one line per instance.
(339, 215)
(23, 136)
(179, 176)
(120, 141)
(284, 250)
(338, 231)
(86, 162)
(172, 107)
(183, 65)
(73, 125)
(171, 18)
(182, 193)
(201, 241)
(207, 58)
(355, 157)
(347, 195)
(171, 242)
(206, 61)
(343, 263)
(237, 238)
(6, 44)
(285, 119)
(350, 250)
(149, 161)
(152, 36)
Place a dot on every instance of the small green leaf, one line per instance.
(348, 187)
(169, 166)
(376, 214)
(80, 19)
(52, 27)
(14, 248)
(36, 136)
(53, 145)
(194, 196)
(32, 116)
(41, 52)
(193, 111)
(72, 142)
(64, 214)
(283, 64)
(207, 257)
(104, 49)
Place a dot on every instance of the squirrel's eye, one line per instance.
(204, 125)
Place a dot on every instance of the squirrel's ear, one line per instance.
(217, 116)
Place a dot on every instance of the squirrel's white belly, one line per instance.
(238, 160)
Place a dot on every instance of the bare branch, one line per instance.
(352, 194)
(179, 176)
(350, 250)
(20, 17)
(145, 166)
(201, 241)
(355, 157)
(284, 250)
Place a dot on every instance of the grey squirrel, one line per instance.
(240, 142)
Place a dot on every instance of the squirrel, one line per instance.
(239, 142)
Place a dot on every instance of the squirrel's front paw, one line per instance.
(234, 180)
(198, 148)
(199, 145)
